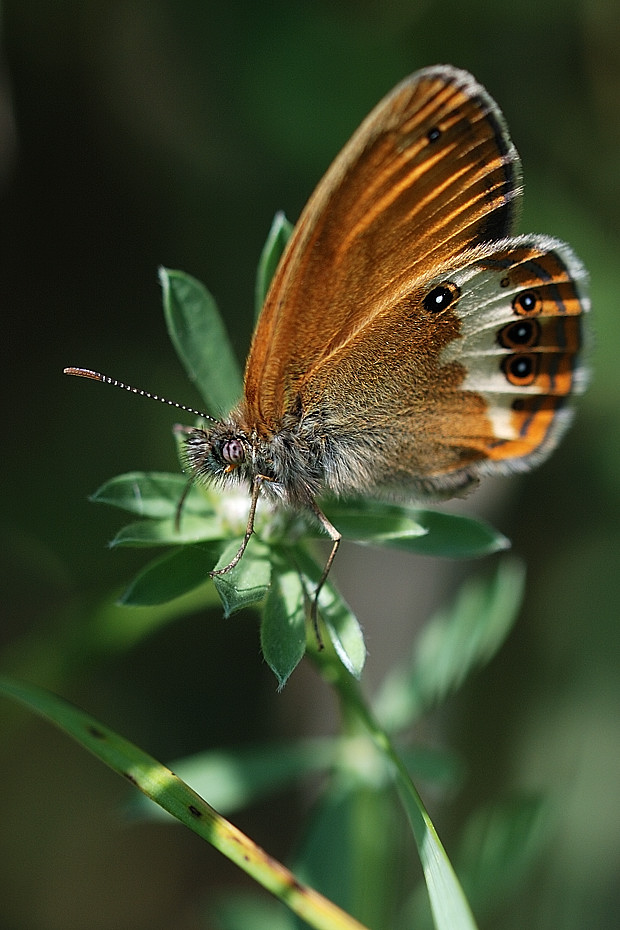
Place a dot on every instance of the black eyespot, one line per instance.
(528, 303)
(520, 369)
(233, 452)
(504, 282)
(441, 297)
(521, 333)
(433, 134)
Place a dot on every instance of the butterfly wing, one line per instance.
(494, 356)
(429, 174)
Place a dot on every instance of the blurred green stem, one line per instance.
(448, 903)
(356, 715)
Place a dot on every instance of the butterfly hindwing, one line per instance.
(521, 344)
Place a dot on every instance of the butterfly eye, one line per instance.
(527, 304)
(521, 333)
(233, 452)
(441, 297)
(520, 370)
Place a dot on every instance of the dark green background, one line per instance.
(134, 134)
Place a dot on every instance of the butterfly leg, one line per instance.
(335, 537)
(182, 499)
(256, 486)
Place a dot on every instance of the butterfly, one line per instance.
(409, 342)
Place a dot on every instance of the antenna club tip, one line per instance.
(83, 373)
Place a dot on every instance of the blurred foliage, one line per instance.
(135, 134)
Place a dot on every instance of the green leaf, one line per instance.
(455, 537)
(151, 494)
(171, 576)
(500, 843)
(147, 533)
(234, 779)
(449, 906)
(427, 532)
(341, 623)
(374, 522)
(278, 236)
(453, 643)
(344, 629)
(173, 795)
(200, 338)
(283, 627)
(246, 583)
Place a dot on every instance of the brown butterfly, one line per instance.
(408, 343)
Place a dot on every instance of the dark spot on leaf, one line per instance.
(96, 733)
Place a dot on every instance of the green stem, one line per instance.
(448, 903)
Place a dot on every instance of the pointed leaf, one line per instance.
(344, 630)
(246, 583)
(171, 576)
(278, 236)
(341, 623)
(453, 643)
(427, 532)
(146, 533)
(449, 906)
(151, 494)
(374, 521)
(454, 537)
(283, 627)
(200, 338)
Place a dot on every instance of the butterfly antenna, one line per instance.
(97, 376)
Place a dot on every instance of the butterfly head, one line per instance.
(217, 453)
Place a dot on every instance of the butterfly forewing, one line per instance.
(429, 174)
